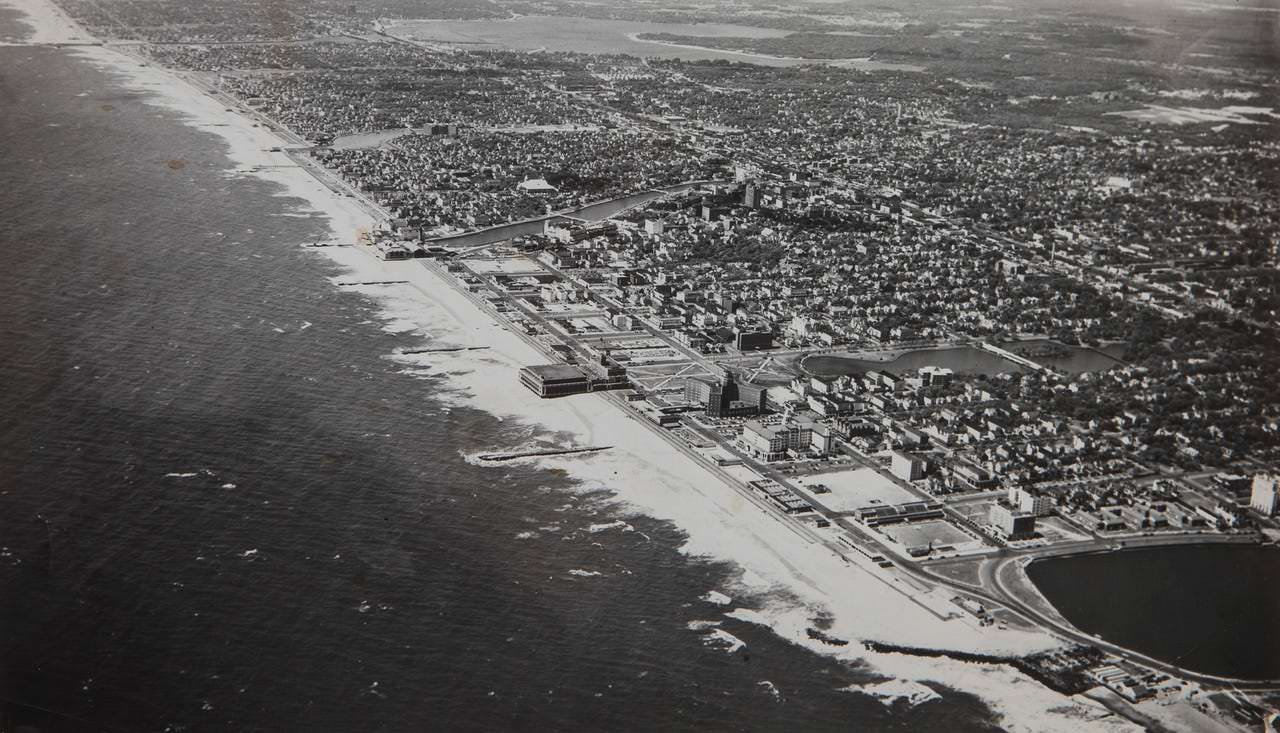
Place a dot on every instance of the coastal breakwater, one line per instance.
(1066, 680)
(499, 457)
(443, 350)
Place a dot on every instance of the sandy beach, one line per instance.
(796, 577)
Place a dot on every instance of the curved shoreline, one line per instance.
(1036, 604)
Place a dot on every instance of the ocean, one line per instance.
(222, 507)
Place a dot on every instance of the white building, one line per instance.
(536, 186)
(776, 442)
(1011, 523)
(1265, 498)
(1033, 502)
(907, 466)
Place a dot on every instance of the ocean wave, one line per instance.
(716, 597)
(891, 691)
(750, 616)
(725, 640)
(617, 524)
(770, 688)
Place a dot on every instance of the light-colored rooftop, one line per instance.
(555, 372)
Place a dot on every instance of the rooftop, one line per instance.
(555, 372)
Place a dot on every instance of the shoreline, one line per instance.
(642, 473)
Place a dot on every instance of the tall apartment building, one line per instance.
(1041, 505)
(1265, 497)
(907, 466)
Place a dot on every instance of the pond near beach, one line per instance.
(963, 359)
(1211, 609)
(972, 360)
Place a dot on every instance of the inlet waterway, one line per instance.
(1210, 609)
(602, 36)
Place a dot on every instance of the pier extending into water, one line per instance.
(542, 453)
(442, 350)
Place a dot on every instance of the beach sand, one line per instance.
(800, 578)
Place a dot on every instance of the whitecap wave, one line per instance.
(725, 640)
(770, 688)
(618, 524)
(716, 597)
(891, 691)
(750, 616)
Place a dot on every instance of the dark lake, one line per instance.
(1213, 609)
(965, 359)
(972, 360)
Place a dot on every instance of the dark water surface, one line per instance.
(963, 359)
(970, 360)
(1213, 609)
(222, 509)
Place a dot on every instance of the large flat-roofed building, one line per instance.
(555, 380)
(770, 442)
(725, 397)
(911, 511)
(577, 231)
(907, 466)
(706, 392)
(752, 340)
(1265, 495)
(822, 439)
(1034, 502)
(775, 442)
(605, 373)
(973, 475)
(1012, 523)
